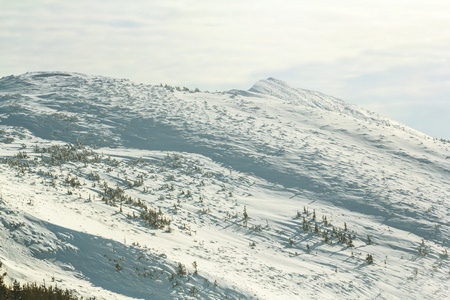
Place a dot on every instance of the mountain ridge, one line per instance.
(270, 86)
(240, 175)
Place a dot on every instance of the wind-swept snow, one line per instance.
(274, 193)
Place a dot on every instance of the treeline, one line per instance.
(33, 291)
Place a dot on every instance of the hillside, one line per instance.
(120, 190)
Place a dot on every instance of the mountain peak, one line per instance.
(276, 88)
(279, 89)
(269, 85)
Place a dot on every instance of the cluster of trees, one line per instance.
(33, 291)
(343, 236)
(184, 89)
(151, 217)
(57, 154)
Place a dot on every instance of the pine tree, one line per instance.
(245, 213)
(194, 264)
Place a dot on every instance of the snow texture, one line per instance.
(128, 191)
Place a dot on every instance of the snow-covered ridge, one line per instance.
(285, 191)
(279, 89)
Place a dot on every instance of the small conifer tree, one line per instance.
(245, 213)
(194, 264)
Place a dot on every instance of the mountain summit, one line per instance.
(128, 191)
(279, 89)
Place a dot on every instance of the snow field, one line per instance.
(201, 160)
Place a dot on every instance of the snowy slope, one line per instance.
(233, 181)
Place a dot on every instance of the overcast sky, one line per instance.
(392, 57)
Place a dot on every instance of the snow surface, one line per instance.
(202, 160)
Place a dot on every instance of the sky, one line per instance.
(392, 57)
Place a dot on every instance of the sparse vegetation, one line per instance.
(181, 269)
(118, 266)
(245, 214)
(423, 249)
(194, 264)
(161, 199)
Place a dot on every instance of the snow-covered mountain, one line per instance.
(120, 190)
